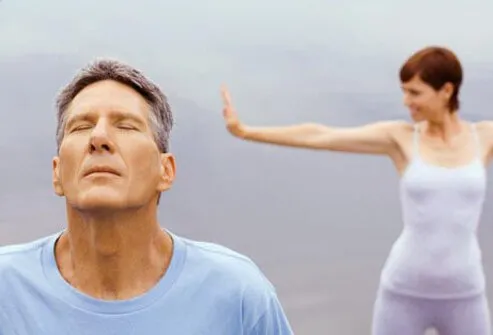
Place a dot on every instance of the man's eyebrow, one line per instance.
(117, 115)
(79, 117)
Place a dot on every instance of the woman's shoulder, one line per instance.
(485, 131)
(485, 125)
(402, 128)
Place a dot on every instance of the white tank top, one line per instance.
(437, 255)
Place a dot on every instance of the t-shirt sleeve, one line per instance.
(4, 326)
(273, 320)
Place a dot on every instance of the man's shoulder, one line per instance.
(19, 255)
(237, 277)
(225, 262)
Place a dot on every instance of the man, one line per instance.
(114, 270)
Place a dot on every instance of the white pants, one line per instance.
(396, 314)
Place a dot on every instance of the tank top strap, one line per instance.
(416, 141)
(477, 142)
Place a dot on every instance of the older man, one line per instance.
(114, 270)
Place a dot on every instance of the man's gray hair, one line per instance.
(160, 116)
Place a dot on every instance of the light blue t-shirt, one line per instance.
(208, 289)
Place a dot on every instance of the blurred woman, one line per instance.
(433, 277)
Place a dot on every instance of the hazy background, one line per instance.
(319, 224)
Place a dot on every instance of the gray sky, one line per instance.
(323, 223)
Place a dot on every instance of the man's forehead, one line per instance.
(109, 92)
(109, 111)
(99, 102)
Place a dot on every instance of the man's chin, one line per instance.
(100, 201)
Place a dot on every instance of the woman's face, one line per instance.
(423, 101)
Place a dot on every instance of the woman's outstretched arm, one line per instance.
(374, 138)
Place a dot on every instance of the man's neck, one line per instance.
(113, 257)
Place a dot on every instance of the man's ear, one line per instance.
(57, 185)
(168, 172)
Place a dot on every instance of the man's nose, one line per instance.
(100, 140)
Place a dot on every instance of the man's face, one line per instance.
(108, 158)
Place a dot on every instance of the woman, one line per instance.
(433, 277)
